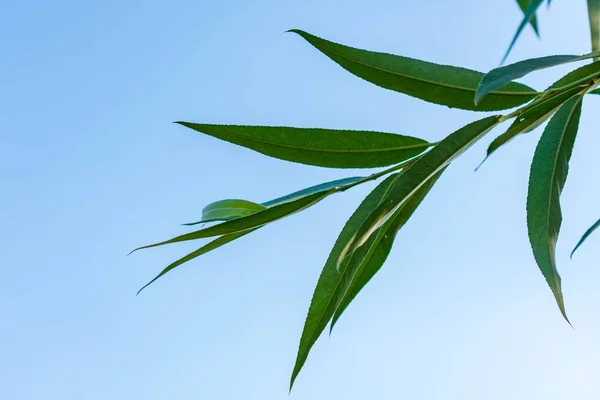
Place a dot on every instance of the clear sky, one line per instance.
(91, 166)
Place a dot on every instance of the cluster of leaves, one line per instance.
(413, 164)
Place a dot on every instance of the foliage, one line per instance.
(413, 165)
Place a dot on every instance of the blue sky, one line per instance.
(91, 166)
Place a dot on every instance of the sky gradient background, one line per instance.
(92, 167)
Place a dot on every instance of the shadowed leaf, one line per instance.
(585, 236)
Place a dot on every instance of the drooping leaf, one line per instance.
(225, 210)
(218, 242)
(338, 183)
(255, 220)
(533, 21)
(501, 76)
(417, 175)
(529, 14)
(585, 236)
(323, 302)
(439, 84)
(373, 254)
(594, 17)
(321, 147)
(222, 240)
(531, 120)
(547, 178)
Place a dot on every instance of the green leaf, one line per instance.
(369, 259)
(337, 184)
(439, 84)
(320, 147)
(594, 17)
(585, 236)
(546, 180)
(323, 302)
(225, 210)
(417, 175)
(218, 242)
(529, 14)
(531, 120)
(596, 91)
(251, 221)
(501, 76)
(582, 75)
(533, 21)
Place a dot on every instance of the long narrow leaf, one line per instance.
(375, 253)
(523, 4)
(325, 296)
(418, 175)
(225, 210)
(322, 187)
(547, 178)
(529, 13)
(594, 17)
(439, 84)
(585, 236)
(321, 147)
(501, 76)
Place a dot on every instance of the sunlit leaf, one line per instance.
(529, 14)
(547, 178)
(329, 284)
(418, 175)
(501, 76)
(338, 183)
(585, 236)
(225, 210)
(440, 84)
(321, 147)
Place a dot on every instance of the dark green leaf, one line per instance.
(323, 302)
(225, 210)
(533, 21)
(251, 221)
(531, 119)
(370, 257)
(218, 242)
(440, 84)
(501, 76)
(582, 75)
(529, 14)
(546, 180)
(320, 147)
(596, 91)
(417, 175)
(594, 17)
(585, 236)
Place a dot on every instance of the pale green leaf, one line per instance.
(225, 210)
(594, 18)
(321, 147)
(439, 84)
(547, 178)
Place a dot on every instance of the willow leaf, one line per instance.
(585, 236)
(439, 84)
(251, 221)
(523, 4)
(418, 174)
(531, 120)
(547, 178)
(321, 147)
(501, 76)
(225, 210)
(322, 187)
(529, 14)
(594, 18)
(323, 302)
(373, 254)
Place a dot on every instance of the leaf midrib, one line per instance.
(388, 149)
(533, 93)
